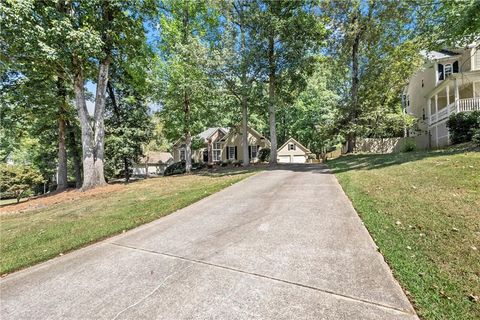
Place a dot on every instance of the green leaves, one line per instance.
(18, 179)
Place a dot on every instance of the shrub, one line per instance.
(175, 168)
(264, 154)
(463, 125)
(224, 163)
(409, 146)
(476, 137)
(17, 181)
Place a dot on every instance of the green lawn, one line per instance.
(423, 210)
(37, 235)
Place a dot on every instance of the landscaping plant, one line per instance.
(18, 180)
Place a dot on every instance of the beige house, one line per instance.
(448, 82)
(292, 151)
(154, 163)
(229, 148)
(205, 154)
(222, 144)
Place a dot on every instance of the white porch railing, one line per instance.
(461, 105)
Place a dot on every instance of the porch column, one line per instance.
(429, 110)
(436, 103)
(457, 96)
(448, 94)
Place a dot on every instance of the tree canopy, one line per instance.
(87, 87)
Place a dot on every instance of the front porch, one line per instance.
(457, 93)
(460, 105)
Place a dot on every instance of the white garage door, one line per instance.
(299, 159)
(284, 159)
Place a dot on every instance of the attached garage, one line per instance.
(299, 159)
(284, 159)
(292, 151)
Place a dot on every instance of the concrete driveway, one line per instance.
(283, 244)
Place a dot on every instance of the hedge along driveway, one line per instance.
(37, 235)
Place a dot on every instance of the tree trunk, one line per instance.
(271, 98)
(354, 90)
(77, 163)
(93, 137)
(92, 157)
(246, 156)
(186, 101)
(188, 152)
(62, 178)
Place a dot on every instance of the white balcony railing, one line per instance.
(471, 104)
(461, 105)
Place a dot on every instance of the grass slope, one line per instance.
(423, 210)
(37, 235)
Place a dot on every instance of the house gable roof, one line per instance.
(204, 135)
(237, 129)
(291, 140)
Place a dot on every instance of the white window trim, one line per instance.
(217, 152)
(216, 149)
(446, 74)
(229, 154)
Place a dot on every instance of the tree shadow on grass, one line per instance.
(377, 161)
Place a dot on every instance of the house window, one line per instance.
(217, 152)
(441, 75)
(423, 83)
(217, 155)
(291, 146)
(182, 155)
(231, 153)
(253, 152)
(447, 69)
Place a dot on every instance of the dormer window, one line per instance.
(444, 70)
(448, 69)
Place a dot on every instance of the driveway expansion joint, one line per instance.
(326, 291)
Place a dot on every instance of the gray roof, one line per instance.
(438, 55)
(207, 133)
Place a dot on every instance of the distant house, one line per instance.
(223, 144)
(448, 82)
(204, 154)
(230, 146)
(154, 163)
(292, 151)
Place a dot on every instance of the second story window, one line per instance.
(444, 70)
(441, 75)
(447, 69)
